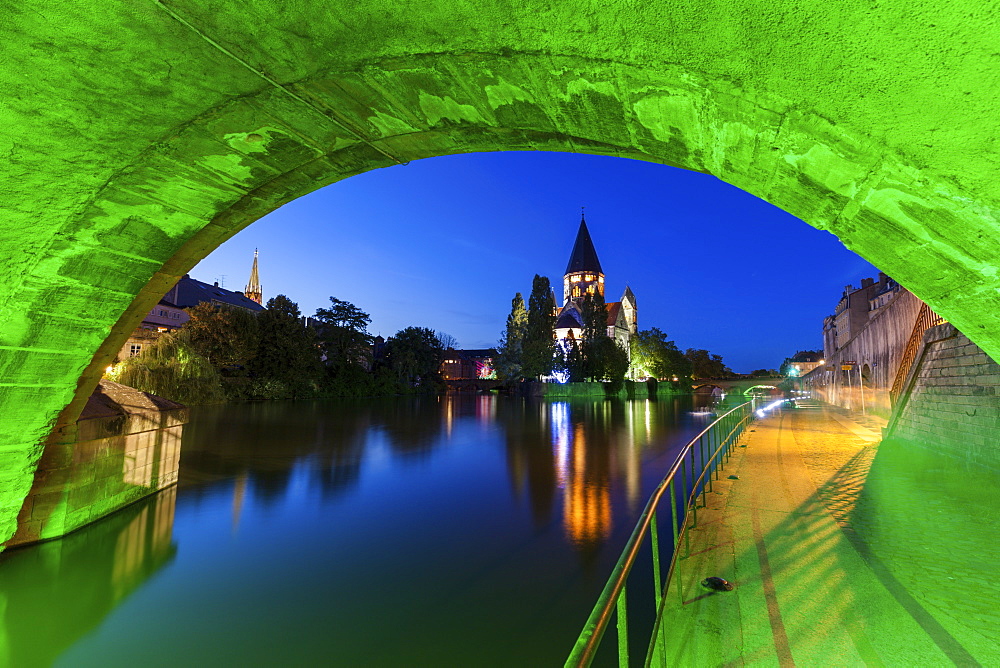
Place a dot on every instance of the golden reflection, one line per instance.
(239, 491)
(449, 415)
(586, 502)
(146, 536)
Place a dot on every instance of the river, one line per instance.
(448, 531)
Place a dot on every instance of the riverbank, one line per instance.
(843, 551)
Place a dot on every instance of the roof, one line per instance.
(112, 399)
(191, 292)
(614, 310)
(584, 256)
(569, 319)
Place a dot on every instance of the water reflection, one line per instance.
(395, 532)
(54, 593)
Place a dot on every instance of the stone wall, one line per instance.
(125, 446)
(951, 399)
(877, 349)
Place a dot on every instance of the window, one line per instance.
(162, 312)
(134, 349)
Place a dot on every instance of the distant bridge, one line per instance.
(472, 384)
(741, 385)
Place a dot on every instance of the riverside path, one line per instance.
(844, 551)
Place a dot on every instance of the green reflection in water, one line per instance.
(54, 593)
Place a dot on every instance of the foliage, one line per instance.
(172, 369)
(539, 340)
(594, 313)
(287, 351)
(414, 354)
(509, 360)
(573, 362)
(227, 336)
(656, 357)
(609, 362)
(764, 373)
(706, 365)
(342, 333)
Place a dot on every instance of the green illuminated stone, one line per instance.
(138, 137)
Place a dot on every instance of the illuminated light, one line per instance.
(110, 370)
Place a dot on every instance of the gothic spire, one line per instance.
(253, 290)
(584, 256)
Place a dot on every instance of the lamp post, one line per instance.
(861, 386)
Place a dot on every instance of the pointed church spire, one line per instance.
(584, 256)
(253, 290)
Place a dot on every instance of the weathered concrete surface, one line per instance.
(138, 136)
(843, 551)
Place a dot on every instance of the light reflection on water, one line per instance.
(468, 530)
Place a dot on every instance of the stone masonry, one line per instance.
(951, 399)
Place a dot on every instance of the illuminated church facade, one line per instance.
(584, 275)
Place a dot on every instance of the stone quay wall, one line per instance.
(951, 400)
(125, 446)
(877, 349)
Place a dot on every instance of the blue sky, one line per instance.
(446, 242)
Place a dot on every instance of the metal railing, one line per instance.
(926, 318)
(712, 447)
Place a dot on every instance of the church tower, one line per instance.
(253, 290)
(583, 273)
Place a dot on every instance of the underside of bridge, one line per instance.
(139, 136)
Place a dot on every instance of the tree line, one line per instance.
(528, 349)
(225, 353)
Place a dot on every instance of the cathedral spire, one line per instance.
(583, 273)
(253, 290)
(584, 256)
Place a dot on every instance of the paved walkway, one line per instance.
(844, 552)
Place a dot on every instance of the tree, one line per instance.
(171, 369)
(539, 340)
(287, 352)
(415, 355)
(594, 345)
(510, 351)
(227, 336)
(447, 341)
(654, 356)
(343, 334)
(574, 362)
(610, 361)
(706, 365)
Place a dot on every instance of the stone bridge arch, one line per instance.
(139, 136)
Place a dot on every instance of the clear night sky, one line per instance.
(446, 242)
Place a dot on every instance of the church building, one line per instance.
(585, 276)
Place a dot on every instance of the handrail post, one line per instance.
(614, 599)
(622, 608)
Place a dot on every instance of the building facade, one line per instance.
(584, 276)
(170, 312)
(863, 343)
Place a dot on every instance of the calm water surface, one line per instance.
(452, 531)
